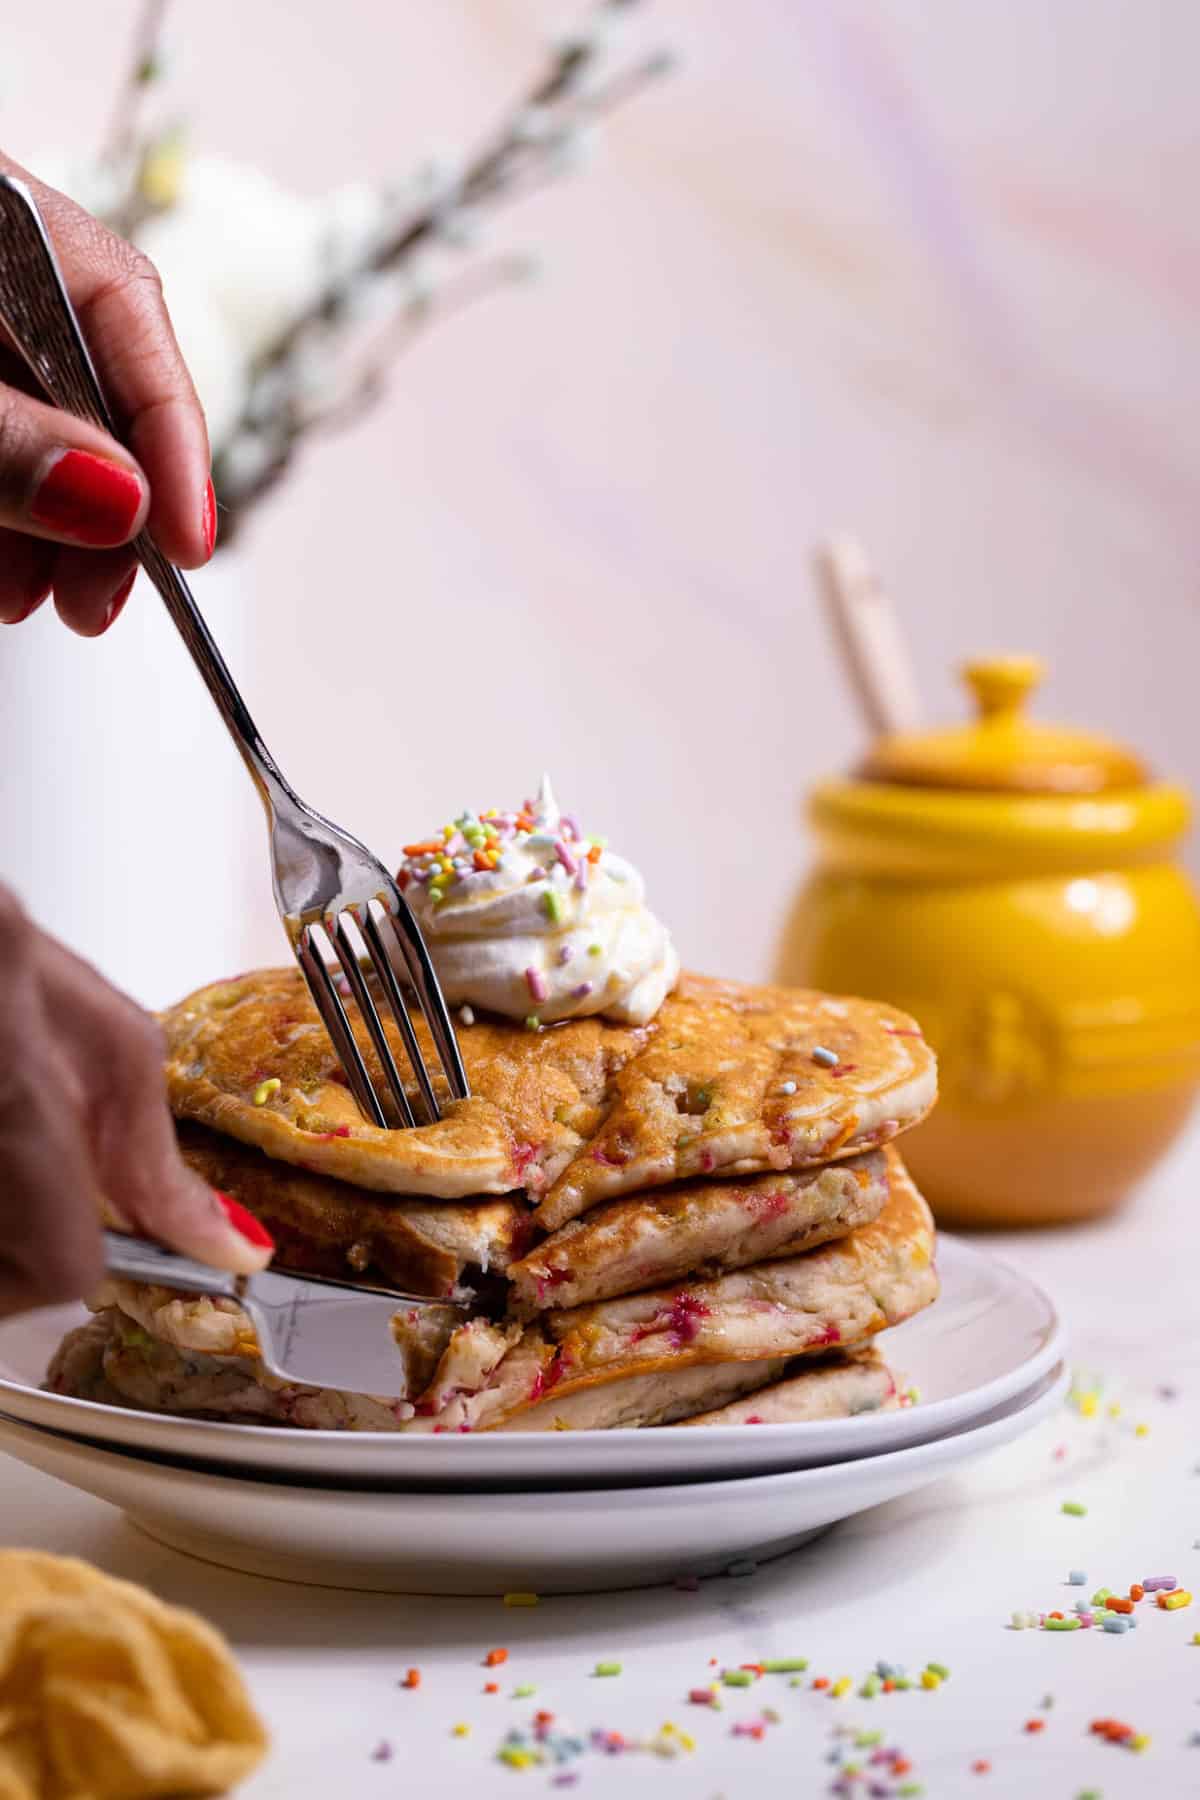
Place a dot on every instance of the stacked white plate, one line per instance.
(557, 1512)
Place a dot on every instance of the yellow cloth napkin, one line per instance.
(108, 1694)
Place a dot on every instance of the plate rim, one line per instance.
(1053, 1384)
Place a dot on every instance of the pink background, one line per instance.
(930, 272)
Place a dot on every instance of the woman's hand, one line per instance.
(70, 497)
(83, 1117)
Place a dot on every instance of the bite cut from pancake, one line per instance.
(722, 1081)
(110, 1359)
(322, 1226)
(695, 1229)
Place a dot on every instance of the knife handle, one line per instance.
(139, 1260)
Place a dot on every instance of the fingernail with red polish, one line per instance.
(87, 498)
(118, 600)
(208, 519)
(245, 1222)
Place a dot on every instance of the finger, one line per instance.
(63, 480)
(49, 1221)
(118, 296)
(26, 575)
(91, 588)
(117, 1053)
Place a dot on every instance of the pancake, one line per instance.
(721, 1081)
(696, 1228)
(840, 1295)
(322, 1226)
(664, 1398)
(839, 1389)
(105, 1360)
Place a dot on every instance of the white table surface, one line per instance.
(936, 1578)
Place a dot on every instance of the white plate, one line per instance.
(427, 1541)
(988, 1338)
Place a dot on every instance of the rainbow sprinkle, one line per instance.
(476, 845)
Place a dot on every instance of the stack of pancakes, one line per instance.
(689, 1220)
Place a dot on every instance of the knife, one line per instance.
(311, 1329)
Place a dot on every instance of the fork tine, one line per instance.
(366, 1006)
(328, 1003)
(428, 989)
(381, 963)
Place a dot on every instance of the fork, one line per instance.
(337, 902)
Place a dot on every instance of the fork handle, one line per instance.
(136, 1259)
(37, 310)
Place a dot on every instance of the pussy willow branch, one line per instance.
(509, 167)
(369, 383)
(122, 149)
(482, 178)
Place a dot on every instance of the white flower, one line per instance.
(356, 220)
(211, 352)
(241, 258)
(252, 247)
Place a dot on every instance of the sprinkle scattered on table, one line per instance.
(1114, 1732)
(547, 1743)
(521, 1599)
(1075, 1508)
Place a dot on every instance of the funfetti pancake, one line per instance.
(839, 1389)
(754, 1393)
(725, 1079)
(664, 1398)
(322, 1226)
(696, 1228)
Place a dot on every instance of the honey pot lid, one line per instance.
(1002, 751)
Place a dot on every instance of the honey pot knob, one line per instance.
(1002, 684)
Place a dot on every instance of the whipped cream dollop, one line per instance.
(526, 916)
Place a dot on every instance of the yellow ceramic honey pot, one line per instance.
(1012, 886)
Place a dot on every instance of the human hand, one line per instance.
(70, 497)
(83, 1115)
